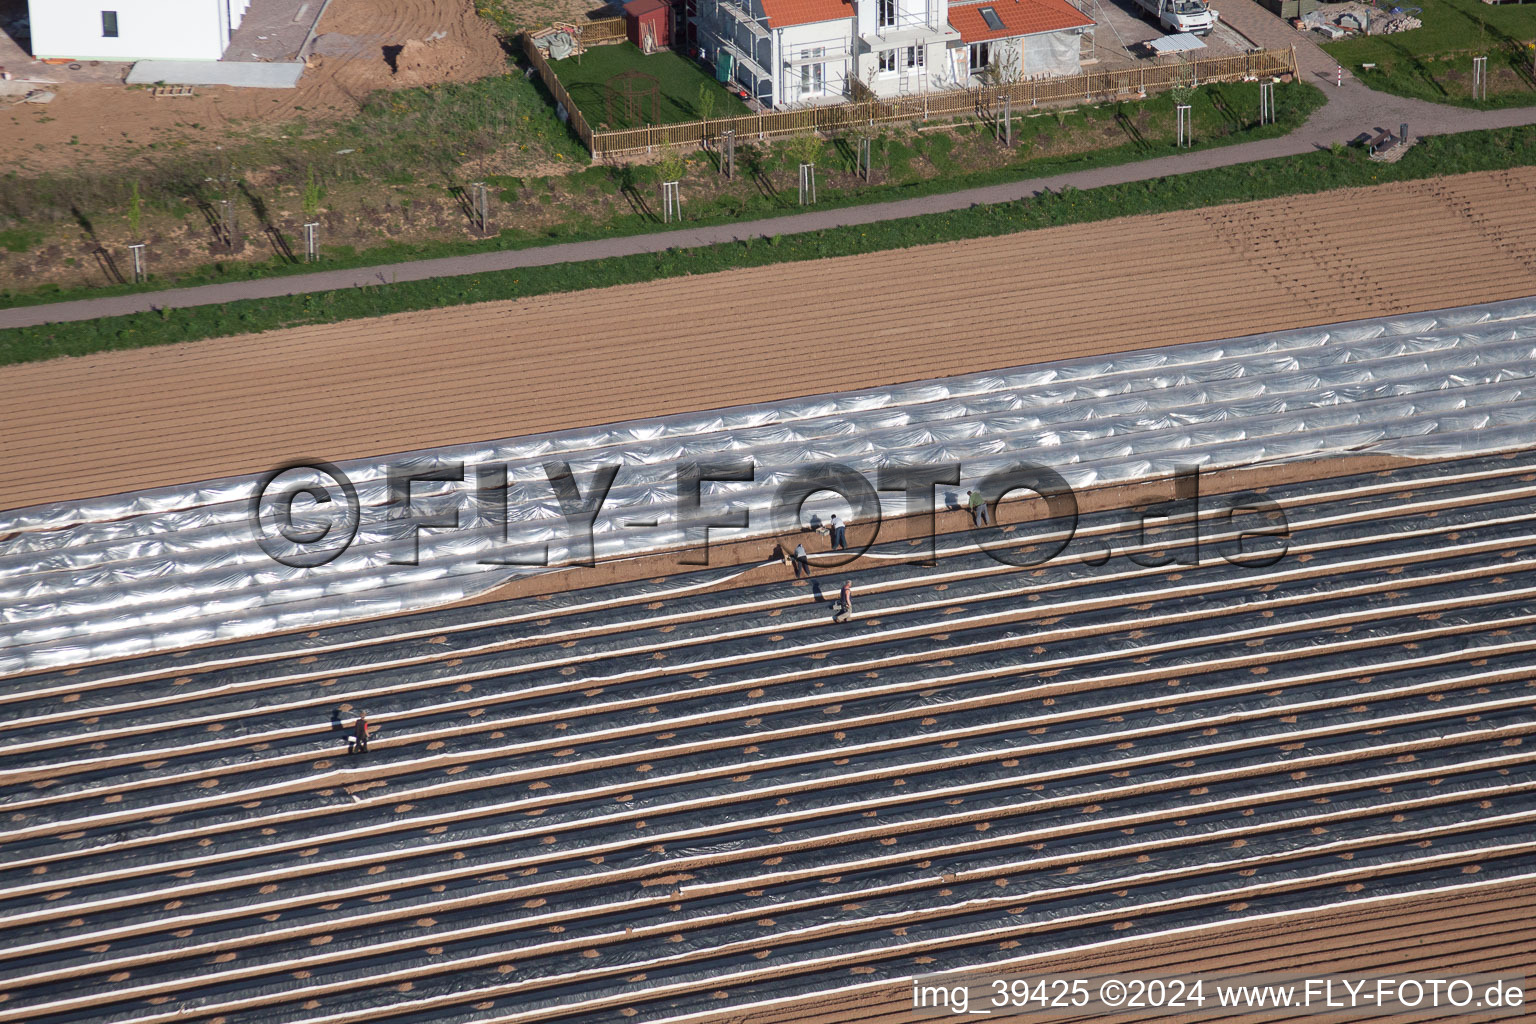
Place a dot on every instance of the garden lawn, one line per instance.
(1435, 62)
(679, 80)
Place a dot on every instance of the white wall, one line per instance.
(889, 83)
(147, 29)
(921, 23)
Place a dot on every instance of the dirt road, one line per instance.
(124, 420)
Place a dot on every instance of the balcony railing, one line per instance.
(827, 50)
(927, 21)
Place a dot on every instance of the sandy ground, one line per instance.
(95, 123)
(539, 13)
(124, 420)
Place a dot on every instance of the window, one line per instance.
(813, 77)
(981, 57)
(885, 14)
(109, 24)
(917, 56)
(989, 15)
(887, 60)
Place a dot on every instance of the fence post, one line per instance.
(481, 204)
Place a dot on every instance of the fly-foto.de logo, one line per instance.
(307, 513)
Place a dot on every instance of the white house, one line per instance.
(132, 30)
(795, 52)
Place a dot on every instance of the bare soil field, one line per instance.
(94, 122)
(121, 421)
(539, 13)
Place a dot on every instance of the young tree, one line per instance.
(1006, 67)
(672, 165)
(1183, 89)
(805, 148)
(706, 101)
(135, 211)
(313, 193)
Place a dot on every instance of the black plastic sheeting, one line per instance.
(969, 909)
(768, 845)
(1096, 670)
(277, 713)
(562, 859)
(608, 909)
(1208, 619)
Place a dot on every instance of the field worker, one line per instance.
(844, 603)
(357, 743)
(802, 561)
(839, 535)
(978, 509)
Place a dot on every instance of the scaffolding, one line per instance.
(718, 31)
(1094, 10)
(835, 54)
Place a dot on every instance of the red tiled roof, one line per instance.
(1019, 18)
(784, 13)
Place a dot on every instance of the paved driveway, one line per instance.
(1121, 30)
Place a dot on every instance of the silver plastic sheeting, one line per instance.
(1052, 53)
(161, 569)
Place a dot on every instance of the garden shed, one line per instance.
(648, 23)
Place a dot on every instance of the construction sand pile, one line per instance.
(438, 40)
(422, 62)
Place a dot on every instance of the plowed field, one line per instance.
(120, 421)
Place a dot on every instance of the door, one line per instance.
(813, 76)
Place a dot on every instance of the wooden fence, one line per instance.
(986, 101)
(603, 30)
(552, 83)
